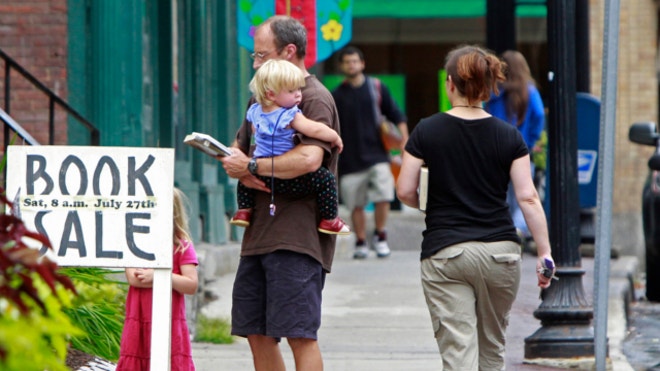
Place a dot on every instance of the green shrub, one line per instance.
(540, 151)
(98, 310)
(34, 331)
(213, 330)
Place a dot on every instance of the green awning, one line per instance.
(438, 8)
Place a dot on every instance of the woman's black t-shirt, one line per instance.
(469, 163)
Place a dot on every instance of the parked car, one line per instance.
(646, 133)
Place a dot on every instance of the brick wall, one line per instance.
(34, 34)
(637, 100)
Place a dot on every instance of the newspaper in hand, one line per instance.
(423, 187)
(207, 144)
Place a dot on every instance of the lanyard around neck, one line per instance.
(272, 166)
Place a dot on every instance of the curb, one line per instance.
(621, 293)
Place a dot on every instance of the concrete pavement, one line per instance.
(375, 316)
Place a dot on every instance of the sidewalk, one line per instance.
(375, 316)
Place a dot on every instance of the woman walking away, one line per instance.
(470, 261)
(520, 105)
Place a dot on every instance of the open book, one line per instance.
(423, 187)
(207, 144)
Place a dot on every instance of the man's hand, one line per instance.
(236, 164)
(253, 182)
(236, 167)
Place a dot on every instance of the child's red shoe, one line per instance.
(241, 218)
(334, 226)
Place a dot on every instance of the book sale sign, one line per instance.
(108, 207)
(99, 206)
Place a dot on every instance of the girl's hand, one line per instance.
(339, 144)
(144, 275)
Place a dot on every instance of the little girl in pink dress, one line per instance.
(135, 351)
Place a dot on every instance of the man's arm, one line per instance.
(302, 159)
(390, 109)
(403, 128)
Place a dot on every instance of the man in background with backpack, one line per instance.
(364, 165)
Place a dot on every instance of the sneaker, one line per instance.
(334, 226)
(361, 252)
(241, 218)
(381, 247)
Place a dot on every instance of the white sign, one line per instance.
(102, 207)
(586, 165)
(99, 206)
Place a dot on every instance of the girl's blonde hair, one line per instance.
(275, 75)
(180, 216)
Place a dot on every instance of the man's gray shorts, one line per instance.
(375, 184)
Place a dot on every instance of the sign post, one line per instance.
(161, 319)
(102, 207)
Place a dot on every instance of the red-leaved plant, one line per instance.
(19, 263)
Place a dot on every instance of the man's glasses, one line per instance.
(260, 55)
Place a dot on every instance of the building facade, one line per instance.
(147, 72)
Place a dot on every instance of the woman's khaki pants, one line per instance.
(469, 289)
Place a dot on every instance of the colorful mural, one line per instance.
(328, 23)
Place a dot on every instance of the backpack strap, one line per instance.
(374, 91)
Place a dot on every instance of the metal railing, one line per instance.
(10, 123)
(53, 99)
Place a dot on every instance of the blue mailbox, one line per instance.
(588, 132)
(588, 125)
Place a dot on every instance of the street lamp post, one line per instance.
(565, 314)
(582, 45)
(501, 25)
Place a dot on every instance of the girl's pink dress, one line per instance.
(136, 338)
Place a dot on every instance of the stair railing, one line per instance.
(53, 100)
(10, 123)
